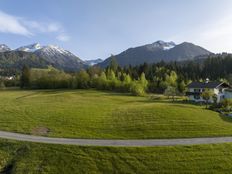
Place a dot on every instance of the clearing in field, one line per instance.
(105, 115)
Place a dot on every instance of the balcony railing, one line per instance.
(193, 93)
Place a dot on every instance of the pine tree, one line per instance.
(113, 63)
(25, 77)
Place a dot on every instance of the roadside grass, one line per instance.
(21, 158)
(94, 114)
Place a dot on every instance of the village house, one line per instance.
(220, 90)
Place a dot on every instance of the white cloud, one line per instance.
(21, 26)
(63, 37)
(43, 27)
(218, 36)
(12, 24)
(53, 27)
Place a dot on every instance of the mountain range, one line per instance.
(35, 55)
(156, 52)
(38, 56)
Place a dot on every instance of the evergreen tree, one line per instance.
(113, 63)
(25, 77)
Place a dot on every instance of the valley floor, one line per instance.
(103, 115)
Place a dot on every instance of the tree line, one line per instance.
(169, 78)
(94, 77)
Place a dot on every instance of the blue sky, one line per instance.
(97, 28)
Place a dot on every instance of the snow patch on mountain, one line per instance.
(52, 50)
(162, 45)
(30, 48)
(49, 50)
(4, 48)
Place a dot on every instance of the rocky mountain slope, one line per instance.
(36, 55)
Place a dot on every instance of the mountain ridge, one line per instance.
(156, 52)
(35, 55)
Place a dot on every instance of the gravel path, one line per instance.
(129, 143)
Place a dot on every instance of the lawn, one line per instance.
(94, 114)
(23, 158)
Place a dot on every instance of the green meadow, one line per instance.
(25, 158)
(105, 115)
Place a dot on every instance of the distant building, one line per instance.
(221, 91)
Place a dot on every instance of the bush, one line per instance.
(137, 89)
(227, 105)
(82, 80)
(170, 92)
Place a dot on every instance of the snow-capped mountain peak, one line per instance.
(49, 50)
(52, 50)
(43, 56)
(30, 48)
(54, 53)
(4, 48)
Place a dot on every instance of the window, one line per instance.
(197, 97)
(197, 90)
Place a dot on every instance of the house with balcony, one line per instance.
(220, 90)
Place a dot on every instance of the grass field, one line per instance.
(23, 158)
(92, 114)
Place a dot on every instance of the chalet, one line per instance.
(228, 93)
(221, 91)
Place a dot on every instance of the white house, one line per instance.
(228, 93)
(221, 91)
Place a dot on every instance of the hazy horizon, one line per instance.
(96, 30)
